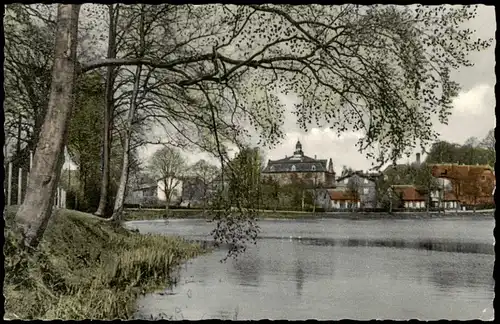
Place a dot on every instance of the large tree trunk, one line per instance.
(108, 112)
(120, 195)
(34, 214)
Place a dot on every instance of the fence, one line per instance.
(22, 180)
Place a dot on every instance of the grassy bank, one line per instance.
(147, 214)
(86, 268)
(150, 214)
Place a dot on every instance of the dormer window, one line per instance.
(293, 168)
(271, 168)
(313, 168)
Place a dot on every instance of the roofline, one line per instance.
(486, 166)
(308, 171)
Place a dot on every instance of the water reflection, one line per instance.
(299, 276)
(389, 270)
(426, 244)
(448, 275)
(247, 268)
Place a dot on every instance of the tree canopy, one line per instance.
(470, 153)
(212, 72)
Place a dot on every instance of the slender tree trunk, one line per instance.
(167, 211)
(204, 200)
(108, 111)
(34, 213)
(120, 194)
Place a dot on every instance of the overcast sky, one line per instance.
(473, 113)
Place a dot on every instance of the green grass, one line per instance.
(149, 214)
(86, 268)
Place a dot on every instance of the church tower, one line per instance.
(298, 149)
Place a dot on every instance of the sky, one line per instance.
(473, 113)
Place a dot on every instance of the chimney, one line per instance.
(418, 158)
(315, 156)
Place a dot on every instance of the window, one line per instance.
(271, 168)
(313, 168)
(366, 181)
(365, 191)
(346, 181)
(293, 168)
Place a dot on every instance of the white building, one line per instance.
(154, 193)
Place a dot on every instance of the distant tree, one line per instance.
(425, 182)
(471, 153)
(443, 152)
(244, 178)
(169, 166)
(205, 173)
(472, 142)
(316, 186)
(352, 190)
(271, 193)
(296, 191)
(488, 141)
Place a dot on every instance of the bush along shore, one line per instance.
(86, 268)
(151, 214)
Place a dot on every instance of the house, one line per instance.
(365, 185)
(153, 193)
(472, 184)
(343, 199)
(410, 197)
(143, 194)
(447, 200)
(299, 167)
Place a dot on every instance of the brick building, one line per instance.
(472, 184)
(301, 168)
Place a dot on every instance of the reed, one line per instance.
(86, 268)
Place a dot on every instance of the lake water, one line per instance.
(427, 269)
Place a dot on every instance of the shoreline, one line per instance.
(152, 214)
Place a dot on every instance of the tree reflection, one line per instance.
(248, 267)
(462, 272)
(299, 276)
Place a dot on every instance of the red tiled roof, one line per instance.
(409, 193)
(458, 170)
(341, 195)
